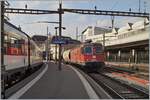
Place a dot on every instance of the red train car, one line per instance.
(88, 55)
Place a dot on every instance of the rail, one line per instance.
(117, 89)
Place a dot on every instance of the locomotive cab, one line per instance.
(89, 56)
(93, 56)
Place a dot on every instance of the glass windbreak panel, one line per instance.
(88, 50)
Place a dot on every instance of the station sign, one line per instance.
(58, 40)
(62, 40)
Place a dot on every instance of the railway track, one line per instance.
(113, 69)
(142, 82)
(117, 89)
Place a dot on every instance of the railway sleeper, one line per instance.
(133, 91)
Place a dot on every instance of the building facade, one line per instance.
(94, 33)
(128, 44)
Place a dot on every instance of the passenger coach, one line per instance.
(21, 54)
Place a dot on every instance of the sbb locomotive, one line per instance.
(21, 54)
(88, 55)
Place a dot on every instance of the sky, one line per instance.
(70, 20)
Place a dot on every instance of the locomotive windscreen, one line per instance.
(88, 50)
(97, 49)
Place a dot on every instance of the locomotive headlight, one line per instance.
(87, 59)
(94, 56)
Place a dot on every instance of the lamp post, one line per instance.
(2, 4)
(104, 40)
(56, 44)
(47, 46)
(60, 25)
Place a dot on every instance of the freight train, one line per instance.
(21, 54)
(90, 56)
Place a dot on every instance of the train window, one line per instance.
(88, 50)
(6, 43)
(5, 38)
(12, 40)
(14, 45)
(97, 49)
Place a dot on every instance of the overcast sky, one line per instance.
(71, 21)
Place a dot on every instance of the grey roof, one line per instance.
(40, 38)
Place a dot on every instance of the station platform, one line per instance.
(51, 83)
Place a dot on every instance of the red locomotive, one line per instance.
(89, 55)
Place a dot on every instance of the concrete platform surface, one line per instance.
(54, 84)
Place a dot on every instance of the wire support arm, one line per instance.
(29, 11)
(104, 12)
